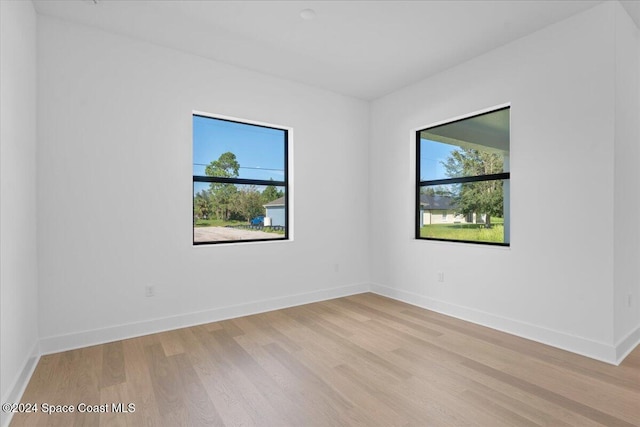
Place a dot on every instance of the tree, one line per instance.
(248, 203)
(441, 190)
(481, 197)
(226, 166)
(271, 193)
(222, 195)
(202, 205)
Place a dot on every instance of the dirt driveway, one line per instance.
(216, 234)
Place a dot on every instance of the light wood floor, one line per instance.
(361, 360)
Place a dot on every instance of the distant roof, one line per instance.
(437, 202)
(277, 202)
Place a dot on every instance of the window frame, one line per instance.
(247, 181)
(419, 184)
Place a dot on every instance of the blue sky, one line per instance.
(432, 154)
(258, 150)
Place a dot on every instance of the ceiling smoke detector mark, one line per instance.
(308, 14)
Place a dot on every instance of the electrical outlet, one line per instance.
(629, 300)
(441, 276)
(149, 291)
(336, 267)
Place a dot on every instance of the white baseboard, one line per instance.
(575, 344)
(627, 344)
(20, 384)
(72, 341)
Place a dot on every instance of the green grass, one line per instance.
(269, 230)
(217, 223)
(471, 232)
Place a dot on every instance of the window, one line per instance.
(240, 181)
(463, 169)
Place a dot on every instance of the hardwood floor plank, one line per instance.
(273, 334)
(171, 342)
(140, 384)
(112, 364)
(445, 371)
(374, 411)
(419, 405)
(350, 314)
(311, 342)
(589, 391)
(542, 352)
(66, 393)
(319, 314)
(383, 315)
(258, 376)
(231, 327)
(345, 343)
(110, 395)
(362, 360)
(458, 354)
(572, 405)
(495, 410)
(164, 380)
(88, 383)
(333, 403)
(632, 364)
(235, 397)
(525, 409)
(301, 409)
(199, 407)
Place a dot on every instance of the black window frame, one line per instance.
(505, 176)
(248, 181)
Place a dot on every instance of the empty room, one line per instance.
(319, 213)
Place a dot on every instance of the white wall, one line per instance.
(115, 190)
(555, 283)
(18, 267)
(627, 180)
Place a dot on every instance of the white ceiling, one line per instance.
(363, 49)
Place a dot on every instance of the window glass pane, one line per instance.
(472, 211)
(441, 161)
(237, 150)
(236, 212)
(474, 146)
